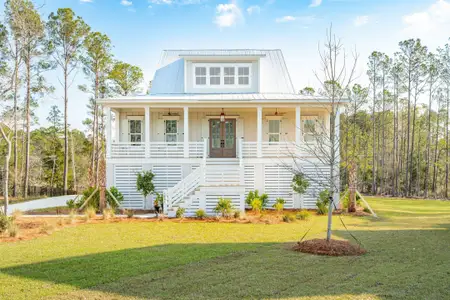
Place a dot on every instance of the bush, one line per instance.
(279, 204)
(108, 213)
(13, 229)
(118, 195)
(255, 195)
(4, 222)
(71, 204)
(256, 205)
(95, 200)
(288, 218)
(144, 183)
(299, 183)
(237, 214)
(129, 213)
(200, 214)
(224, 207)
(346, 200)
(90, 212)
(180, 212)
(322, 202)
(303, 215)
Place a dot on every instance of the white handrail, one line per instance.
(183, 188)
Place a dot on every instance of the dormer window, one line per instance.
(200, 75)
(224, 75)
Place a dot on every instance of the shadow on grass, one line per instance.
(401, 264)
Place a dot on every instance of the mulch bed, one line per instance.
(331, 248)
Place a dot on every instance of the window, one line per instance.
(229, 73)
(135, 131)
(309, 128)
(214, 76)
(200, 75)
(171, 131)
(274, 130)
(244, 75)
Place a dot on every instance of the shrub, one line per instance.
(322, 202)
(237, 214)
(303, 215)
(200, 214)
(144, 183)
(256, 205)
(89, 212)
(118, 195)
(224, 207)
(180, 212)
(346, 200)
(13, 229)
(108, 213)
(129, 213)
(255, 195)
(71, 204)
(159, 199)
(95, 200)
(299, 183)
(288, 218)
(4, 222)
(279, 204)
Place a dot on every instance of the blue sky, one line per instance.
(141, 29)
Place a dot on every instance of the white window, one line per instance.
(135, 131)
(214, 75)
(200, 75)
(274, 130)
(244, 75)
(171, 131)
(229, 74)
(309, 129)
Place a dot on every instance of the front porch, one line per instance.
(197, 133)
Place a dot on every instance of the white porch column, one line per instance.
(108, 131)
(147, 131)
(298, 126)
(186, 131)
(259, 132)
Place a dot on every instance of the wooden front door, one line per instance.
(222, 138)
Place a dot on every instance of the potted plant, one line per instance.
(158, 203)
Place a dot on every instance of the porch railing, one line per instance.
(156, 150)
(269, 149)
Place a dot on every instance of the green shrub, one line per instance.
(303, 215)
(288, 218)
(118, 195)
(237, 214)
(256, 205)
(279, 204)
(71, 204)
(322, 202)
(180, 212)
(255, 195)
(224, 207)
(299, 183)
(346, 199)
(200, 214)
(129, 213)
(4, 222)
(95, 200)
(159, 199)
(144, 183)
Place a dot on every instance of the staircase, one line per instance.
(215, 175)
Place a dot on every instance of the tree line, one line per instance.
(31, 47)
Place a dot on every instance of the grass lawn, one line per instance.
(408, 258)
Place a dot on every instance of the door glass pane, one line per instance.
(171, 126)
(274, 137)
(135, 130)
(229, 134)
(215, 134)
(274, 126)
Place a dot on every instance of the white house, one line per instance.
(217, 123)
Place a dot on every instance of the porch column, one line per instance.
(147, 131)
(186, 132)
(298, 126)
(259, 132)
(108, 131)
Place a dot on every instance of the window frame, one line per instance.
(140, 134)
(222, 76)
(278, 134)
(167, 134)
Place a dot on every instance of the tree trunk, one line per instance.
(412, 146)
(6, 171)
(74, 171)
(427, 168)
(352, 181)
(447, 143)
(28, 118)
(436, 151)
(374, 164)
(66, 138)
(15, 92)
(408, 135)
(95, 128)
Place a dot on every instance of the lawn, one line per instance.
(408, 258)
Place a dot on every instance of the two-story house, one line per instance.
(217, 123)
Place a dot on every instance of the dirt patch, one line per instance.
(331, 248)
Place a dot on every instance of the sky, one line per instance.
(141, 29)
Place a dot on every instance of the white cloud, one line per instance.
(435, 19)
(285, 19)
(161, 1)
(315, 3)
(126, 3)
(254, 9)
(86, 1)
(228, 15)
(361, 21)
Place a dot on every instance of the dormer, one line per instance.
(222, 72)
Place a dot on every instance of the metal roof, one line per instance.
(274, 76)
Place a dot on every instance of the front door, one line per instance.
(222, 142)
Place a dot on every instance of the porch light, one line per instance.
(222, 116)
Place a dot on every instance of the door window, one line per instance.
(229, 134)
(274, 130)
(215, 133)
(135, 131)
(171, 131)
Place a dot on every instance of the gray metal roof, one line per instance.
(274, 76)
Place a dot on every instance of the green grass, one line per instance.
(408, 258)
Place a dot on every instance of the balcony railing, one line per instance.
(156, 150)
